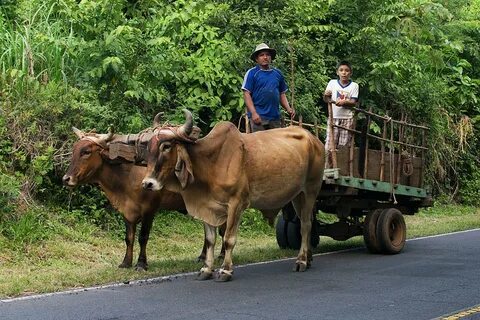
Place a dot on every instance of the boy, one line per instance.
(343, 94)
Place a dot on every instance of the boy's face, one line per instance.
(344, 73)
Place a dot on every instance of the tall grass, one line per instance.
(38, 44)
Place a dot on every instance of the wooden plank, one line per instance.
(377, 186)
(331, 144)
(382, 148)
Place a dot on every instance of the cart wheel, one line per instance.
(281, 232)
(288, 212)
(314, 235)
(294, 235)
(370, 230)
(391, 231)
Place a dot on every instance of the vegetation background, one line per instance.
(96, 63)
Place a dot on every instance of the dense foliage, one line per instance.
(96, 63)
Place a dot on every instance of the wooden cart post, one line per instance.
(332, 154)
(382, 148)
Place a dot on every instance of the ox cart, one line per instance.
(368, 185)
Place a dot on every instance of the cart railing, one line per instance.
(394, 152)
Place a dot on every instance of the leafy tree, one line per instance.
(96, 63)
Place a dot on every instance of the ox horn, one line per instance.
(186, 129)
(156, 120)
(107, 137)
(102, 139)
(79, 133)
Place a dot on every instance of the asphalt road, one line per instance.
(431, 278)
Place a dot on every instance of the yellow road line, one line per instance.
(462, 314)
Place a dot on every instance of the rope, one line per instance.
(240, 121)
(407, 163)
(141, 134)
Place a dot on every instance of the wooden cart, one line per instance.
(368, 185)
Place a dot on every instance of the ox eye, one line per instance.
(85, 152)
(166, 146)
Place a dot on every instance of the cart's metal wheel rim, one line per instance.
(396, 233)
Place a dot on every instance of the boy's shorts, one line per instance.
(341, 136)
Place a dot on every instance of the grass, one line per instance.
(82, 255)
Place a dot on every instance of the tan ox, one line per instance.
(225, 172)
(121, 182)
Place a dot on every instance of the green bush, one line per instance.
(24, 228)
(470, 186)
(92, 64)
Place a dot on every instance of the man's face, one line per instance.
(344, 73)
(264, 58)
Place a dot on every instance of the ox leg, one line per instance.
(206, 271)
(230, 239)
(203, 254)
(304, 206)
(147, 221)
(221, 233)
(130, 229)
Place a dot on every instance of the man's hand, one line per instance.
(256, 118)
(291, 111)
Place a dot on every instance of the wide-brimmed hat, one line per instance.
(263, 47)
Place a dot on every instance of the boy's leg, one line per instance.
(345, 136)
(327, 138)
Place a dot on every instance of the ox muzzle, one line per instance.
(151, 184)
(69, 181)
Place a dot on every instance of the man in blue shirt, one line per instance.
(264, 90)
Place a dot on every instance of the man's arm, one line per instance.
(247, 97)
(284, 103)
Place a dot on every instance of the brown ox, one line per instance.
(225, 172)
(121, 183)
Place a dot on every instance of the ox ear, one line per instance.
(183, 167)
(196, 131)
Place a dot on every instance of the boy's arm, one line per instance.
(353, 100)
(327, 96)
(346, 103)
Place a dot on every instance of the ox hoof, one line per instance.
(224, 275)
(309, 264)
(124, 265)
(141, 268)
(204, 275)
(300, 266)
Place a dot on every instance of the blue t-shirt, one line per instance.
(265, 87)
